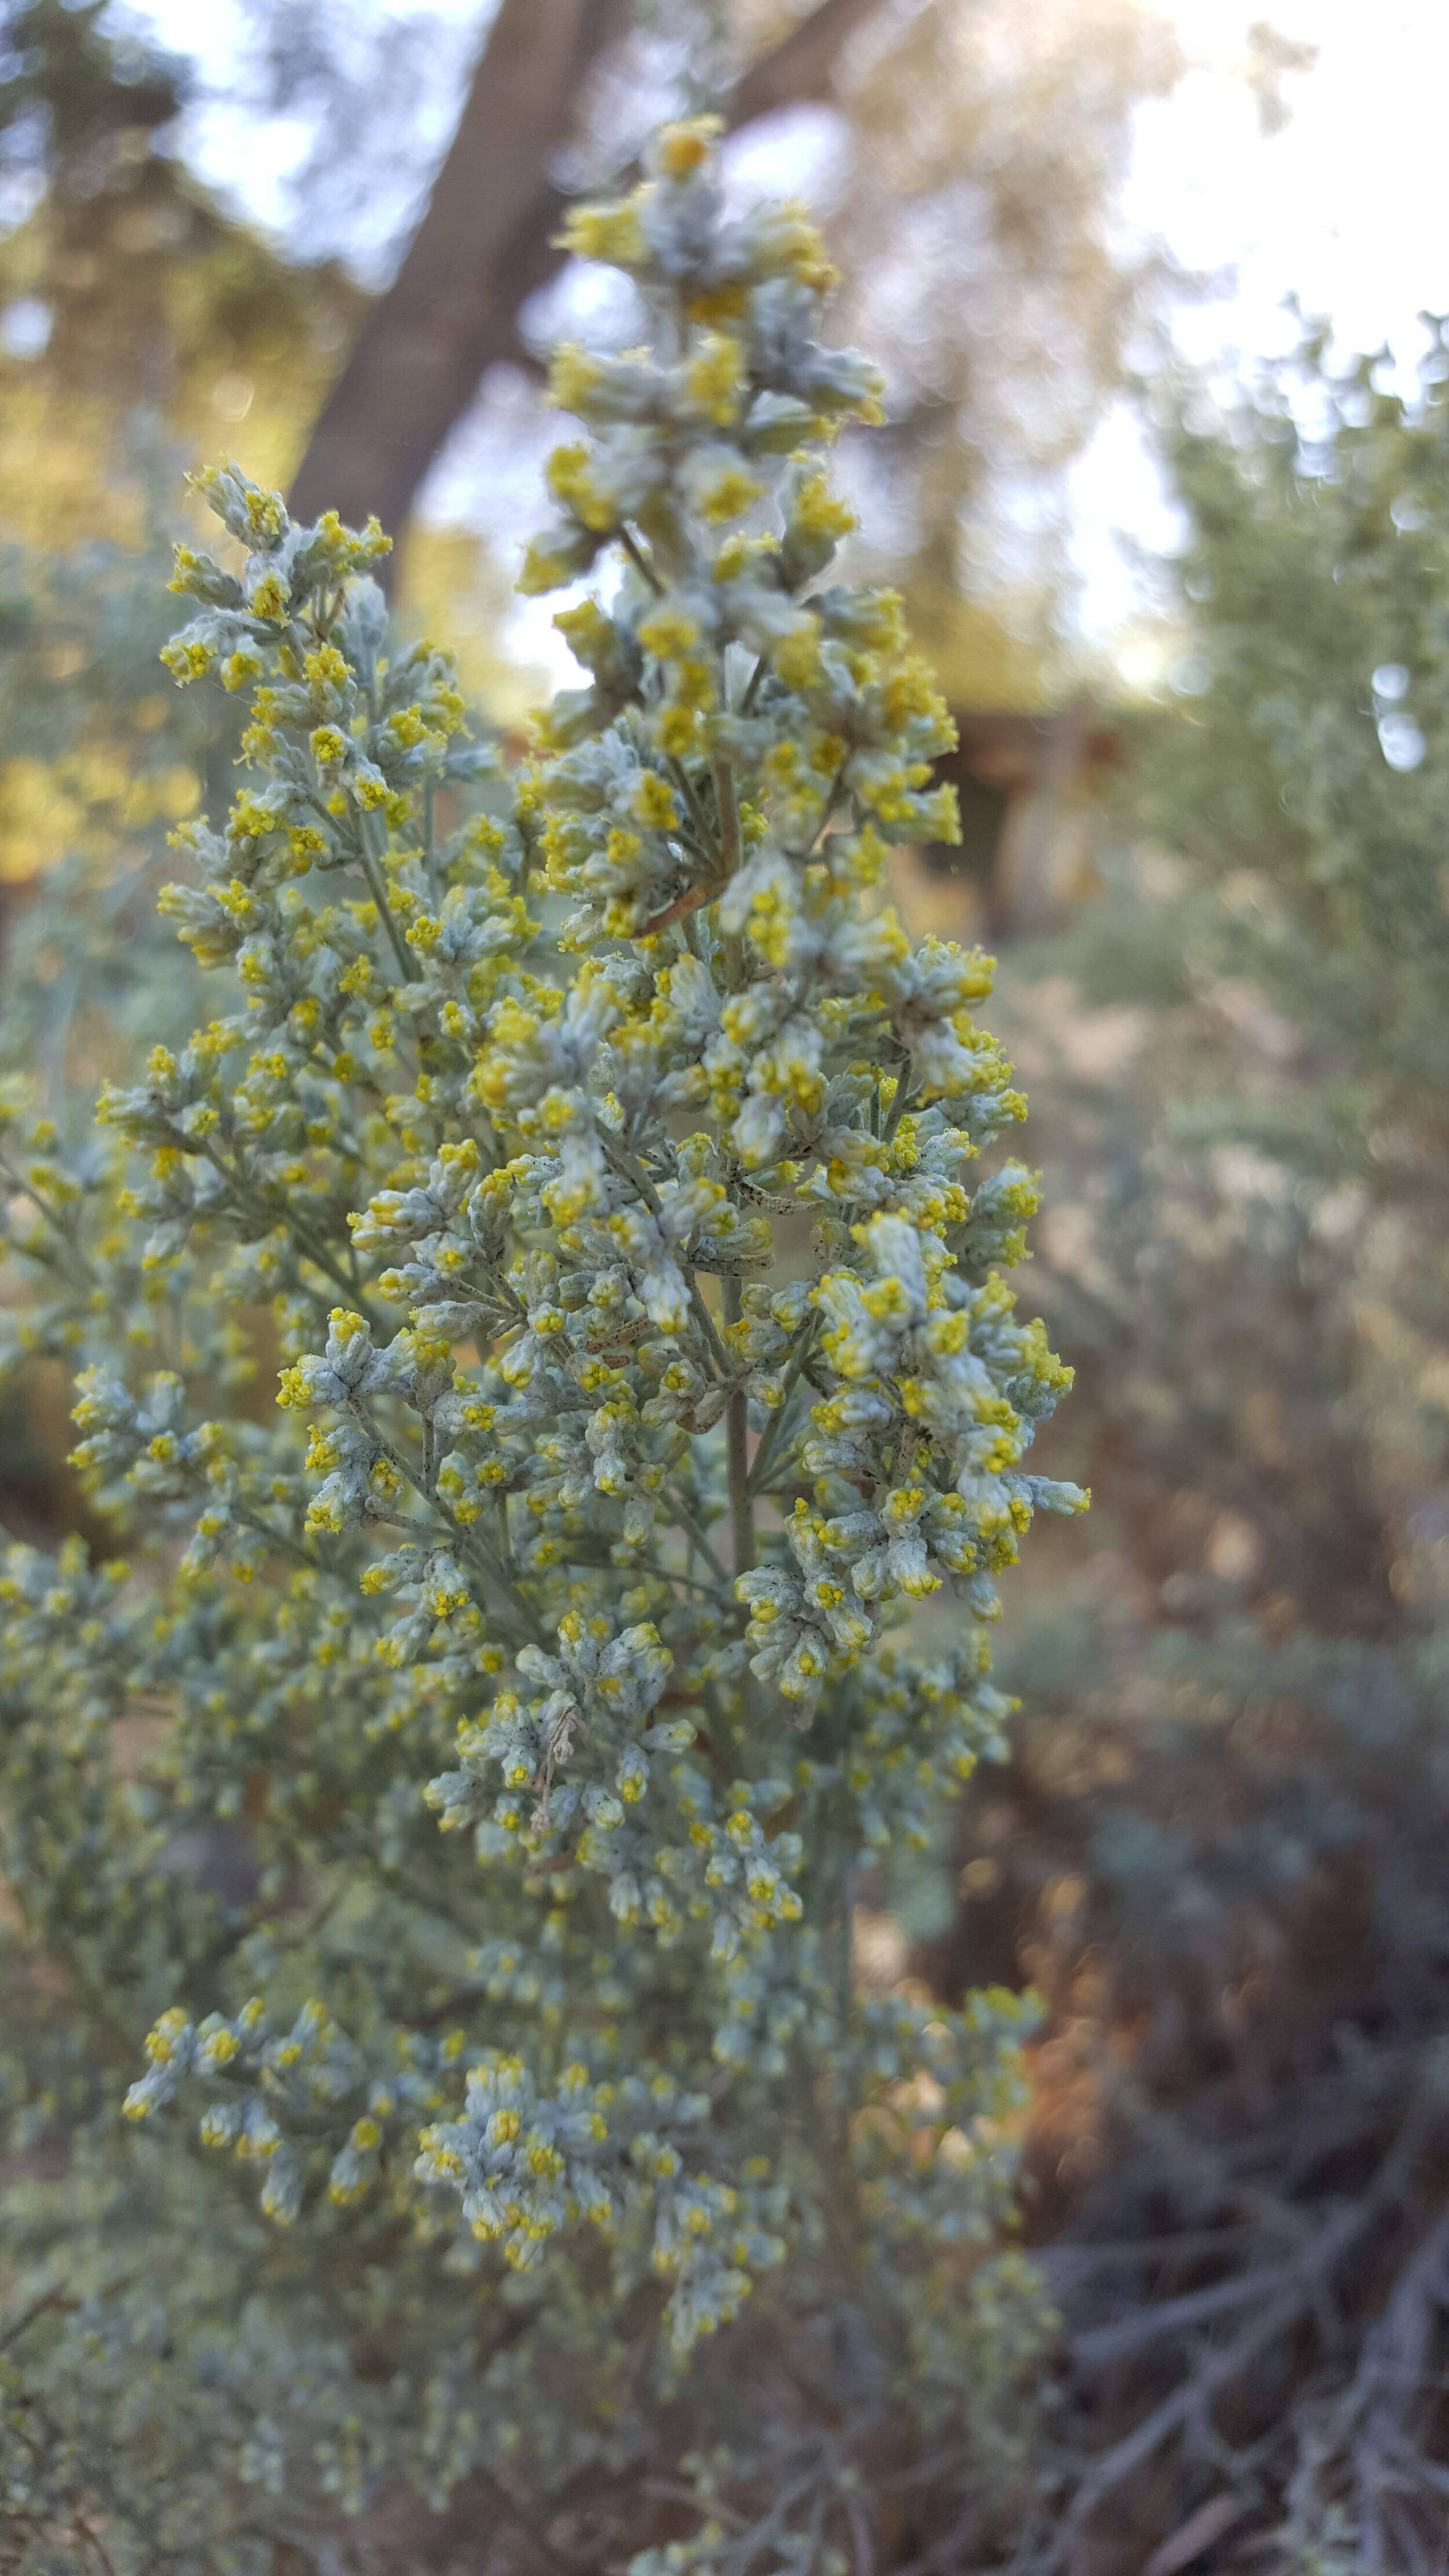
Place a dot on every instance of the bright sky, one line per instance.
(1347, 206)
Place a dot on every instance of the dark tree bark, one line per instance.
(486, 243)
(416, 362)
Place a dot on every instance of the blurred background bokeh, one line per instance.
(1166, 482)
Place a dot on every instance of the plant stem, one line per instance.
(729, 816)
(773, 1428)
(698, 1534)
(893, 1118)
(640, 560)
(714, 1346)
(737, 1426)
(407, 964)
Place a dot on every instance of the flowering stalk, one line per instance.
(599, 1143)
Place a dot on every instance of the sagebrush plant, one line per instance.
(476, 1772)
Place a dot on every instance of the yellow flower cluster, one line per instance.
(604, 1163)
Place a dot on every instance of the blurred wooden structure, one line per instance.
(1028, 785)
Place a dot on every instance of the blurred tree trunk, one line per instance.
(486, 243)
(421, 351)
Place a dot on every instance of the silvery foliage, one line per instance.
(473, 1776)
